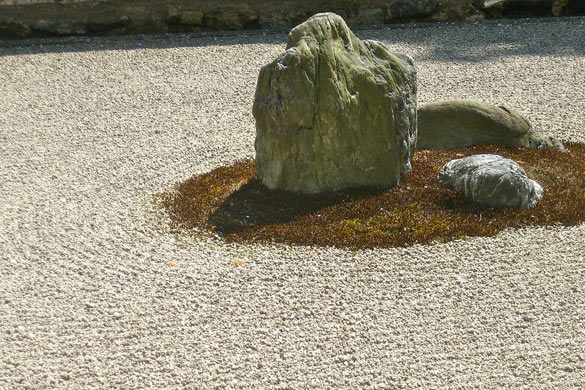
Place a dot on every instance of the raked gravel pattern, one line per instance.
(96, 294)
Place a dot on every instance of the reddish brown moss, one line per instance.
(233, 203)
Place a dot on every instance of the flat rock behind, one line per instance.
(464, 122)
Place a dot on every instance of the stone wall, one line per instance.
(26, 18)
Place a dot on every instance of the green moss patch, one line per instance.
(231, 202)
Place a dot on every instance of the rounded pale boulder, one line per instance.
(491, 180)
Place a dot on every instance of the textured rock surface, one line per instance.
(459, 123)
(491, 180)
(191, 17)
(408, 9)
(12, 29)
(334, 112)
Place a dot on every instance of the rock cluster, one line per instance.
(491, 180)
(334, 112)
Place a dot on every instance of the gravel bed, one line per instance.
(96, 294)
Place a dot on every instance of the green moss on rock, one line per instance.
(334, 112)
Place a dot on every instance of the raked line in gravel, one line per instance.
(95, 294)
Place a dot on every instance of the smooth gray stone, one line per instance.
(461, 123)
(334, 112)
(491, 180)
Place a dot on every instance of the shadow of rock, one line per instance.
(255, 205)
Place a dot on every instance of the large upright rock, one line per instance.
(334, 112)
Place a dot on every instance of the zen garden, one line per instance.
(346, 158)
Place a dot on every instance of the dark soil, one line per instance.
(232, 203)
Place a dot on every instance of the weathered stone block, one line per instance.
(334, 112)
(194, 18)
(173, 15)
(10, 28)
(369, 16)
(409, 9)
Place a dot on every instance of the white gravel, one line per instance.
(94, 294)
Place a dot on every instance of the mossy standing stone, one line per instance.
(334, 112)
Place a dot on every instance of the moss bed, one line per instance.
(231, 202)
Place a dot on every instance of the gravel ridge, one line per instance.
(95, 293)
